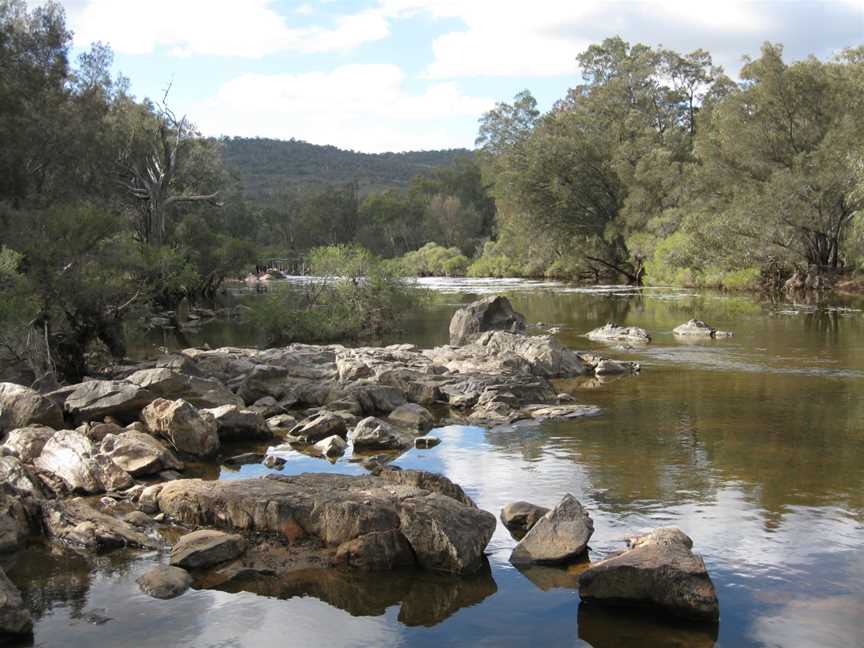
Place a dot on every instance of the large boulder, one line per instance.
(96, 399)
(520, 516)
(206, 547)
(443, 527)
(560, 536)
(165, 582)
(493, 313)
(187, 429)
(26, 443)
(139, 454)
(616, 333)
(201, 392)
(317, 427)
(74, 459)
(374, 434)
(236, 424)
(21, 406)
(15, 618)
(658, 570)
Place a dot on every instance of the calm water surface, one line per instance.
(752, 445)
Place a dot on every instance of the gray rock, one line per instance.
(281, 424)
(698, 329)
(245, 459)
(96, 399)
(331, 447)
(15, 520)
(319, 426)
(520, 516)
(138, 519)
(148, 501)
(206, 547)
(74, 459)
(165, 582)
(21, 406)
(616, 333)
(75, 522)
(616, 367)
(18, 478)
(139, 454)
(426, 442)
(15, 618)
(659, 570)
(26, 443)
(560, 536)
(171, 385)
(374, 434)
(187, 429)
(376, 551)
(493, 313)
(273, 462)
(412, 416)
(236, 424)
(96, 432)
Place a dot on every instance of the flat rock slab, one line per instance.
(560, 536)
(206, 547)
(616, 333)
(659, 570)
(442, 525)
(165, 582)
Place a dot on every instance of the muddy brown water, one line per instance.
(753, 445)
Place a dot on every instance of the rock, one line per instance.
(699, 329)
(171, 385)
(544, 355)
(426, 443)
(412, 416)
(206, 547)
(15, 519)
(560, 412)
(187, 429)
(520, 516)
(493, 313)
(139, 454)
(445, 530)
(616, 367)
(148, 501)
(560, 536)
(331, 447)
(367, 399)
(376, 551)
(274, 462)
(26, 443)
(374, 434)
(281, 424)
(98, 431)
(245, 458)
(658, 570)
(15, 618)
(75, 522)
(236, 424)
(96, 399)
(138, 519)
(21, 407)
(18, 479)
(319, 426)
(165, 582)
(75, 460)
(615, 333)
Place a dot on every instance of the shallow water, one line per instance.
(752, 445)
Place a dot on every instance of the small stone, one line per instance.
(274, 462)
(427, 442)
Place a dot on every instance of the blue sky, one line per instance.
(382, 75)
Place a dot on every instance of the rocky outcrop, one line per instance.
(698, 329)
(413, 417)
(139, 454)
(21, 406)
(444, 529)
(659, 570)
(374, 434)
(317, 427)
(165, 582)
(26, 443)
(74, 459)
(96, 399)
(205, 547)
(560, 536)
(169, 384)
(15, 618)
(518, 517)
(77, 523)
(187, 429)
(236, 424)
(488, 314)
(616, 333)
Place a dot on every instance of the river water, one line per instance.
(753, 445)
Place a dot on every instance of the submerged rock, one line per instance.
(165, 582)
(560, 536)
(21, 406)
(616, 333)
(15, 618)
(187, 429)
(206, 547)
(518, 517)
(489, 314)
(658, 570)
(74, 459)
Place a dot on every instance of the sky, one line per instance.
(396, 75)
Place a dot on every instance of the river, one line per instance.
(753, 445)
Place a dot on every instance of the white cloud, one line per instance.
(364, 107)
(252, 28)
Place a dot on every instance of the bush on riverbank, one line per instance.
(433, 260)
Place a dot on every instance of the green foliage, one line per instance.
(433, 260)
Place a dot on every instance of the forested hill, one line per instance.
(266, 165)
